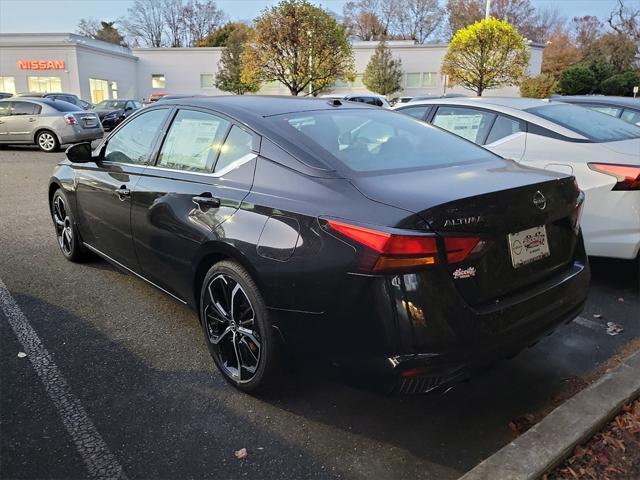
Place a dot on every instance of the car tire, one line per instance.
(47, 141)
(237, 329)
(64, 223)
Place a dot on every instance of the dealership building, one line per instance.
(96, 70)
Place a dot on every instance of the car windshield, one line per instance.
(110, 104)
(596, 126)
(367, 140)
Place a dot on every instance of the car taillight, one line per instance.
(628, 176)
(577, 212)
(401, 252)
(70, 119)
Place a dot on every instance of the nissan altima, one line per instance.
(409, 254)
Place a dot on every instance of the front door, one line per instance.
(104, 188)
(204, 170)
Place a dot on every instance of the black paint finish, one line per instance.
(268, 214)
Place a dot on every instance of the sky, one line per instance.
(63, 15)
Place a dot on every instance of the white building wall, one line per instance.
(110, 67)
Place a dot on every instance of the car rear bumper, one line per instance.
(75, 134)
(417, 332)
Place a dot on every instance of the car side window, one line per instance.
(418, 111)
(237, 145)
(468, 123)
(613, 111)
(23, 108)
(193, 142)
(631, 116)
(503, 127)
(133, 143)
(4, 109)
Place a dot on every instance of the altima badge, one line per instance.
(539, 200)
(452, 222)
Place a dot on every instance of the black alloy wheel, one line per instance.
(238, 333)
(66, 232)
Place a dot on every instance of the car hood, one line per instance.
(416, 191)
(629, 149)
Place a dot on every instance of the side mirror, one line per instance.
(128, 109)
(79, 153)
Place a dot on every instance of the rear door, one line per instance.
(203, 172)
(22, 120)
(5, 111)
(104, 188)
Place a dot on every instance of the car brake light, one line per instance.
(70, 119)
(400, 252)
(628, 176)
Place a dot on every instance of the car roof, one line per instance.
(516, 107)
(602, 99)
(245, 107)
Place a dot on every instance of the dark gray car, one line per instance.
(46, 123)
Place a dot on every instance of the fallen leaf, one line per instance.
(21, 354)
(240, 454)
(597, 315)
(620, 299)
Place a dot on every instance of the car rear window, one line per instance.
(596, 126)
(62, 106)
(366, 140)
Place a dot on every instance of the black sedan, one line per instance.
(112, 112)
(403, 251)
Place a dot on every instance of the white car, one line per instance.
(368, 98)
(602, 152)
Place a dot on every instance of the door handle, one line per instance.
(206, 200)
(123, 193)
(32, 119)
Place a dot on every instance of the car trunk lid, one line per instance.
(491, 203)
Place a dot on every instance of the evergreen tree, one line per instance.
(383, 74)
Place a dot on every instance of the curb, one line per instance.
(549, 442)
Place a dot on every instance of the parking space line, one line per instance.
(101, 463)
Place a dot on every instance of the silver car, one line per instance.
(46, 123)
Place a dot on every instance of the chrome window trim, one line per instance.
(232, 166)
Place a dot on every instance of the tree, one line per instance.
(625, 20)
(613, 48)
(541, 86)
(587, 30)
(418, 19)
(488, 54)
(362, 21)
(220, 36)
(383, 73)
(620, 84)
(519, 13)
(559, 54)
(145, 24)
(229, 77)
(299, 45)
(172, 14)
(105, 31)
(578, 80)
(201, 18)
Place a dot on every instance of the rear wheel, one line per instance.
(66, 231)
(47, 141)
(237, 330)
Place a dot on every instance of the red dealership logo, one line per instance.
(41, 64)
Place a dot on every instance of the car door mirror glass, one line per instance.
(79, 153)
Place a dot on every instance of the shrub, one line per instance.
(621, 84)
(578, 80)
(541, 86)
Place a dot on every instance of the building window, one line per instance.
(429, 79)
(44, 84)
(8, 85)
(114, 90)
(207, 80)
(413, 80)
(158, 80)
(99, 90)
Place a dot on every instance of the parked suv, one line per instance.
(46, 123)
(65, 97)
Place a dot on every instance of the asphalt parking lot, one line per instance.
(136, 363)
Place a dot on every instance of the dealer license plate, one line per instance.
(528, 246)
